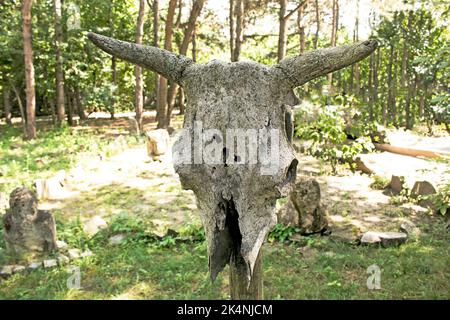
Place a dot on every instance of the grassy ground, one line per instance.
(314, 268)
(148, 267)
(21, 161)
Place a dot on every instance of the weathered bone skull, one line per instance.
(237, 201)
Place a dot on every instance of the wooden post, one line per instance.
(239, 288)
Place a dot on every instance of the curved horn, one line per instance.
(167, 64)
(301, 69)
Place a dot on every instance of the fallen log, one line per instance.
(409, 151)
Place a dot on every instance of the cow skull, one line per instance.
(236, 196)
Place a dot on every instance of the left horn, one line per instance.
(166, 63)
(301, 69)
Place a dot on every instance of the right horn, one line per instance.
(301, 69)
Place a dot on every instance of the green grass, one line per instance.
(147, 268)
(22, 162)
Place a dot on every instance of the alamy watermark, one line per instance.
(238, 147)
(374, 280)
(74, 280)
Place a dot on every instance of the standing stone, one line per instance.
(28, 231)
(158, 142)
(306, 199)
(424, 188)
(304, 208)
(396, 184)
(133, 125)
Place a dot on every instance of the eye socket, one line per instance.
(288, 125)
(292, 171)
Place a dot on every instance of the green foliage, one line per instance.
(193, 231)
(72, 233)
(442, 200)
(281, 232)
(328, 136)
(379, 183)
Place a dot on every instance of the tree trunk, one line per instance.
(195, 13)
(239, 288)
(51, 103)
(60, 103)
(406, 78)
(161, 112)
(21, 109)
(404, 63)
(6, 99)
(231, 17)
(316, 37)
(239, 30)
(371, 86)
(29, 70)
(301, 30)
(282, 30)
(113, 62)
(393, 87)
(412, 83)
(334, 29)
(69, 108)
(404, 70)
(356, 72)
(194, 46)
(155, 12)
(376, 67)
(139, 91)
(422, 100)
(80, 106)
(179, 15)
(388, 105)
(114, 83)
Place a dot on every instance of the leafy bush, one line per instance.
(328, 136)
(193, 231)
(441, 109)
(442, 200)
(379, 183)
(281, 232)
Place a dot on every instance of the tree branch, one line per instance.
(295, 10)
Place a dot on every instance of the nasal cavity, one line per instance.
(232, 225)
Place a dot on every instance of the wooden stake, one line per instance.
(239, 289)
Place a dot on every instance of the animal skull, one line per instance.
(236, 197)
